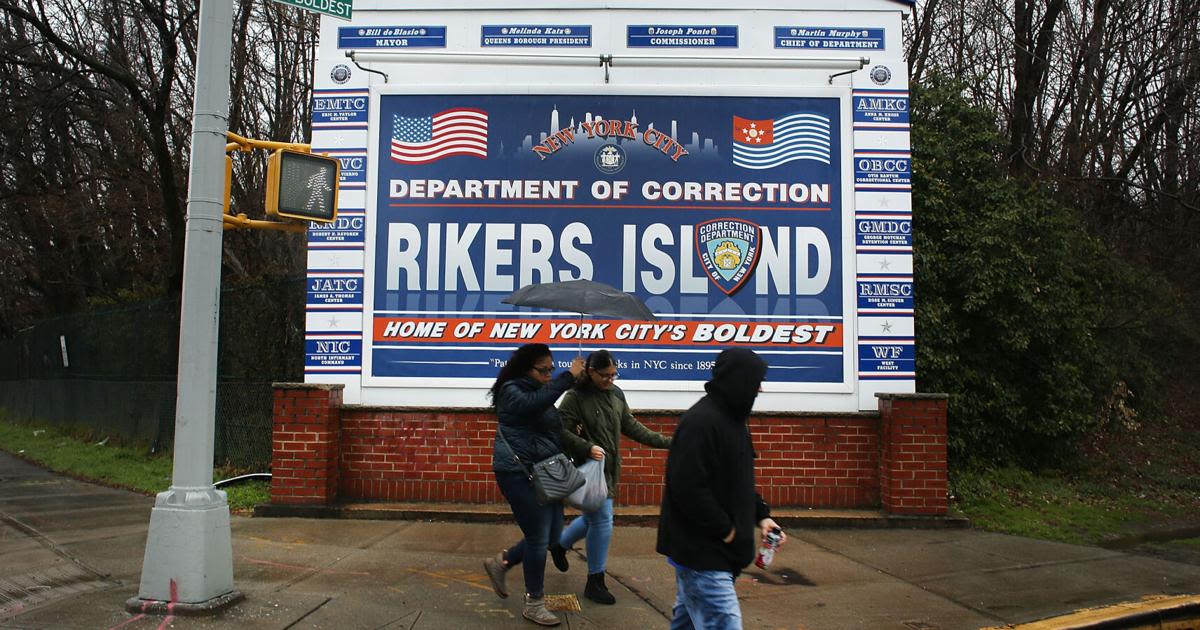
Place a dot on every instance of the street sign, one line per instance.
(340, 9)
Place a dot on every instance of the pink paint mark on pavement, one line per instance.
(170, 606)
(133, 618)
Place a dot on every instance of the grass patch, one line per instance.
(1053, 505)
(1125, 481)
(79, 454)
(244, 496)
(75, 454)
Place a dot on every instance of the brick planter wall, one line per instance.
(913, 453)
(894, 458)
(305, 444)
(418, 455)
(803, 460)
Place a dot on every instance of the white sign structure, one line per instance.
(746, 172)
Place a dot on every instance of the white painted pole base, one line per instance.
(189, 552)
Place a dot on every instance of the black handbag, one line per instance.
(553, 478)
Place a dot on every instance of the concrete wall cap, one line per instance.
(324, 386)
(406, 409)
(868, 415)
(917, 396)
(772, 414)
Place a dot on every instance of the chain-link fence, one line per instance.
(113, 370)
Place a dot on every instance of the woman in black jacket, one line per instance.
(528, 428)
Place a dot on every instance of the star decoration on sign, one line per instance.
(753, 134)
(884, 264)
(414, 130)
(887, 326)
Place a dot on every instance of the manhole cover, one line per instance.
(562, 603)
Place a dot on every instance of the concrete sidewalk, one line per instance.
(71, 554)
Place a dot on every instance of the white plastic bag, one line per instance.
(592, 494)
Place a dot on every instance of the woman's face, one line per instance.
(543, 369)
(603, 378)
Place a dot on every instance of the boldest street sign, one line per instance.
(340, 9)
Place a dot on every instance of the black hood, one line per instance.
(736, 378)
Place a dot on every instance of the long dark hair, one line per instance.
(597, 360)
(518, 365)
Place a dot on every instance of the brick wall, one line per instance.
(913, 453)
(895, 458)
(418, 455)
(439, 455)
(305, 444)
(803, 460)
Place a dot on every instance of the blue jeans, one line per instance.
(597, 526)
(539, 523)
(705, 600)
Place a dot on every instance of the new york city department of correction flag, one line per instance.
(760, 144)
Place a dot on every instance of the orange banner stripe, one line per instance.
(607, 332)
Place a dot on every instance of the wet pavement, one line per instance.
(71, 554)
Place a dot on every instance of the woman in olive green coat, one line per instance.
(594, 416)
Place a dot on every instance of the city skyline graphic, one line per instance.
(696, 146)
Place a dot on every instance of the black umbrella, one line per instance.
(583, 297)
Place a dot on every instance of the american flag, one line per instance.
(762, 144)
(459, 131)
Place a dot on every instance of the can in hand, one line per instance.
(766, 553)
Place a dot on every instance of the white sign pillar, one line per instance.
(189, 553)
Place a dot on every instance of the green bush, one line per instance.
(1035, 330)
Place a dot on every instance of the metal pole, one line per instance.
(189, 553)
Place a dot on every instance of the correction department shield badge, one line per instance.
(728, 250)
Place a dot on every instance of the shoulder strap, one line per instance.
(520, 463)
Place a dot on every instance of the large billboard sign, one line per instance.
(724, 214)
(744, 172)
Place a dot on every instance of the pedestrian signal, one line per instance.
(302, 186)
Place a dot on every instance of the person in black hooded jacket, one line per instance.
(712, 516)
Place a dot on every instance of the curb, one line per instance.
(1180, 612)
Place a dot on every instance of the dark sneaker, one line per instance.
(496, 571)
(559, 555)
